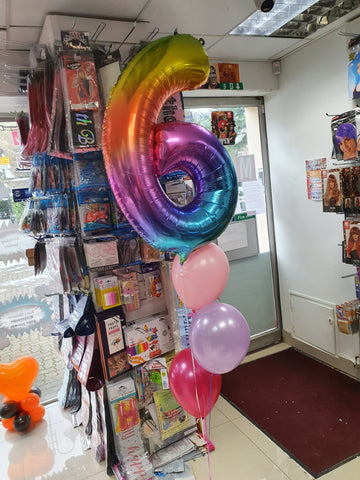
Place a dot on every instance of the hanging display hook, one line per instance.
(98, 31)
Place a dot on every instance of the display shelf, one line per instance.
(128, 318)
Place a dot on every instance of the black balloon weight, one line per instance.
(9, 409)
(22, 421)
(36, 390)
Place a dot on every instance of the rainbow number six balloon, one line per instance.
(137, 151)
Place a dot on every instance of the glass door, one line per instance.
(249, 239)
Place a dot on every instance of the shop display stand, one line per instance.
(341, 194)
(116, 309)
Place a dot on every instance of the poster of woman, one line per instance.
(345, 135)
(332, 199)
(354, 75)
(351, 241)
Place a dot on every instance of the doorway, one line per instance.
(249, 239)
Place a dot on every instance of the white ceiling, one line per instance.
(211, 19)
(21, 23)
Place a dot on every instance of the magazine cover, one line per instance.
(313, 178)
(354, 69)
(332, 199)
(223, 127)
(345, 131)
(213, 80)
(229, 72)
(171, 417)
(109, 326)
(351, 229)
(225, 76)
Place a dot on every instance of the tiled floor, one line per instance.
(52, 449)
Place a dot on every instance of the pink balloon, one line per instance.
(202, 278)
(195, 389)
(219, 337)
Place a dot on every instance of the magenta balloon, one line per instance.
(195, 389)
(202, 278)
(219, 337)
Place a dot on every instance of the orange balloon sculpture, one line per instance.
(20, 405)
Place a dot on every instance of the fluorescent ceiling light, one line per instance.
(264, 24)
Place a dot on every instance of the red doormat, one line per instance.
(309, 409)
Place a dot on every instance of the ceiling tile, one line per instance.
(3, 36)
(198, 17)
(114, 31)
(22, 36)
(33, 12)
(10, 65)
(209, 40)
(235, 48)
(11, 60)
(209, 19)
(2, 13)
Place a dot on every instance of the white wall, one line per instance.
(8, 105)
(313, 82)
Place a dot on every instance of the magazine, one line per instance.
(109, 325)
(172, 417)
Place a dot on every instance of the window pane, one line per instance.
(247, 142)
(25, 314)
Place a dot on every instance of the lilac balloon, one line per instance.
(219, 337)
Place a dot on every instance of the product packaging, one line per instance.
(148, 338)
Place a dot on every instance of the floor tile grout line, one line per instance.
(267, 455)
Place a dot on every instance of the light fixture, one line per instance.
(264, 5)
(295, 18)
(264, 24)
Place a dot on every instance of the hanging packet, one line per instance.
(53, 214)
(89, 170)
(80, 81)
(118, 218)
(36, 184)
(94, 210)
(345, 129)
(129, 248)
(81, 101)
(53, 175)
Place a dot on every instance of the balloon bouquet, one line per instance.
(137, 152)
(21, 404)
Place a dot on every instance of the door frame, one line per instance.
(273, 335)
